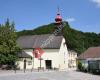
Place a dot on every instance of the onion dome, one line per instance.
(58, 18)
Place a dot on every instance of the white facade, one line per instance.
(72, 56)
(51, 58)
(29, 63)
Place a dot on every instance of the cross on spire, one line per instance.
(58, 12)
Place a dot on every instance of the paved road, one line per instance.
(51, 75)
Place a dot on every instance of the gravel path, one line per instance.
(49, 75)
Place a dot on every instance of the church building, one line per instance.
(46, 51)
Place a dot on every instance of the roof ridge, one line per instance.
(36, 35)
(94, 47)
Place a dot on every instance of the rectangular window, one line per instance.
(29, 62)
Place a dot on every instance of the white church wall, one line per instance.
(54, 55)
(51, 54)
(64, 54)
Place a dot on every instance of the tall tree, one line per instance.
(8, 45)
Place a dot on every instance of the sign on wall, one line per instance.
(37, 52)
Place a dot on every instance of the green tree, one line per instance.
(8, 45)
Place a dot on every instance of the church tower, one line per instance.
(58, 24)
(58, 19)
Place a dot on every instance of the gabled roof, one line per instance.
(34, 41)
(23, 54)
(93, 52)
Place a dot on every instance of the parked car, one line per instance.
(94, 66)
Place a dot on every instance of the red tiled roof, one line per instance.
(93, 52)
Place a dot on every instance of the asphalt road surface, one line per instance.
(48, 75)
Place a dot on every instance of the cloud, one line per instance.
(97, 2)
(70, 19)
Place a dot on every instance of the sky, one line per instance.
(83, 15)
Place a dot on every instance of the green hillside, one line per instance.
(75, 40)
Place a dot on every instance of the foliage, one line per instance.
(75, 40)
(79, 65)
(46, 29)
(8, 45)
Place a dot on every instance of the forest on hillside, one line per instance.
(76, 40)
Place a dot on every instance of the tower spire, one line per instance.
(58, 18)
(58, 12)
(58, 23)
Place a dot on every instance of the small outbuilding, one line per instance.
(90, 59)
